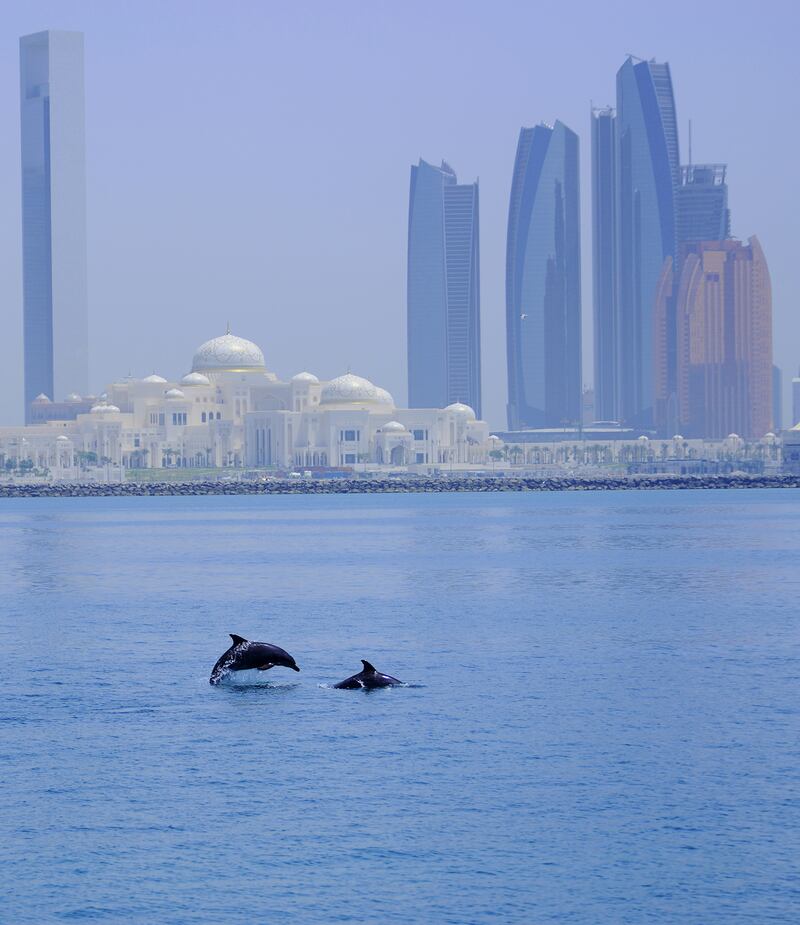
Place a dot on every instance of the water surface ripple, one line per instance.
(603, 723)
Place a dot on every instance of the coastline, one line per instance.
(396, 486)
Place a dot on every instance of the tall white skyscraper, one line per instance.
(53, 215)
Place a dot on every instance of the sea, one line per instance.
(600, 721)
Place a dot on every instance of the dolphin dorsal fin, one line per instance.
(368, 667)
(237, 640)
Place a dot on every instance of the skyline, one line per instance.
(189, 271)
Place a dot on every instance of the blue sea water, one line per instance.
(603, 725)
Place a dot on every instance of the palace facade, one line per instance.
(230, 410)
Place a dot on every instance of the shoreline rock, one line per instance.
(411, 484)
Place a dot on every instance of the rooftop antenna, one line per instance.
(690, 142)
(227, 327)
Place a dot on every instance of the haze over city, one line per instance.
(251, 166)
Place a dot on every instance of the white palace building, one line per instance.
(230, 410)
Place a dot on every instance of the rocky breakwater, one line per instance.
(396, 485)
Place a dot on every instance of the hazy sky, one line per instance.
(249, 161)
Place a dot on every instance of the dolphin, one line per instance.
(369, 678)
(244, 655)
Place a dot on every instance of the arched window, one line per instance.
(203, 416)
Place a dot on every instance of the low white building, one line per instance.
(230, 410)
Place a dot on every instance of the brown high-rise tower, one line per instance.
(714, 323)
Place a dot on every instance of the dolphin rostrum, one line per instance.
(369, 678)
(244, 655)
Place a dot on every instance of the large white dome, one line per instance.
(227, 352)
(463, 409)
(384, 397)
(349, 389)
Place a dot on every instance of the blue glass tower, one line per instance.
(648, 172)
(543, 295)
(443, 307)
(55, 316)
(604, 263)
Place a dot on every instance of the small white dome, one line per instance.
(349, 389)
(734, 437)
(769, 435)
(493, 438)
(393, 427)
(227, 352)
(384, 397)
(195, 379)
(305, 377)
(41, 397)
(62, 439)
(678, 437)
(154, 378)
(73, 397)
(174, 395)
(643, 438)
(105, 409)
(463, 409)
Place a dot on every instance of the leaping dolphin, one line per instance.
(369, 678)
(244, 655)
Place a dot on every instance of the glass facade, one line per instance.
(543, 296)
(604, 258)
(648, 171)
(443, 308)
(702, 204)
(55, 320)
(777, 398)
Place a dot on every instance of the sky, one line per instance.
(248, 162)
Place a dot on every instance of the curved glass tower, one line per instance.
(444, 335)
(543, 295)
(648, 172)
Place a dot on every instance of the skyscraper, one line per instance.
(443, 307)
(777, 398)
(55, 311)
(795, 400)
(724, 373)
(543, 296)
(648, 171)
(604, 263)
(702, 204)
